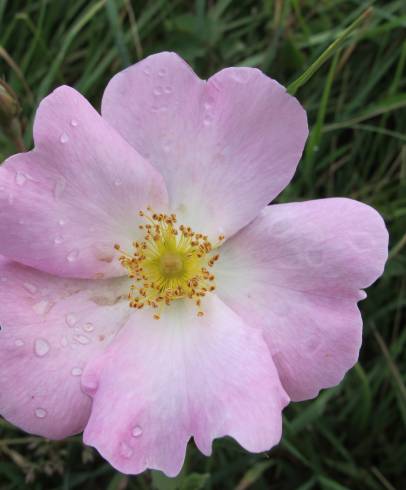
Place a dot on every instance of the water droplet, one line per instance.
(74, 123)
(88, 327)
(168, 89)
(147, 70)
(41, 347)
(280, 227)
(30, 287)
(61, 222)
(157, 91)
(3, 279)
(64, 341)
(72, 256)
(208, 104)
(42, 307)
(362, 241)
(59, 187)
(19, 342)
(207, 120)
(126, 451)
(82, 339)
(313, 342)
(167, 145)
(64, 138)
(241, 75)
(21, 178)
(76, 371)
(71, 320)
(118, 182)
(137, 431)
(40, 413)
(90, 384)
(58, 240)
(162, 72)
(21, 222)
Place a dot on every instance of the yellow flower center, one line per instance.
(171, 263)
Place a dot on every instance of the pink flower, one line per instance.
(257, 305)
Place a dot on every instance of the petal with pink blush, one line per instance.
(226, 147)
(162, 382)
(66, 203)
(297, 272)
(50, 328)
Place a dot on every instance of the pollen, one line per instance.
(170, 263)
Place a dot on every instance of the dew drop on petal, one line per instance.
(30, 287)
(64, 341)
(162, 72)
(42, 307)
(126, 451)
(71, 319)
(88, 327)
(362, 241)
(19, 342)
(158, 90)
(40, 413)
(168, 90)
(72, 255)
(59, 187)
(74, 123)
(41, 347)
(118, 182)
(58, 240)
(312, 343)
(76, 371)
(64, 138)
(137, 431)
(61, 222)
(21, 178)
(207, 120)
(82, 339)
(208, 104)
(90, 384)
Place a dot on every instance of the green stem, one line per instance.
(334, 46)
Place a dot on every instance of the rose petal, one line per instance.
(65, 204)
(50, 328)
(296, 272)
(162, 382)
(225, 147)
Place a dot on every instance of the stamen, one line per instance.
(170, 263)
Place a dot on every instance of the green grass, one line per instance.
(352, 436)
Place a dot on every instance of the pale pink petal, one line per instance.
(162, 382)
(64, 204)
(50, 328)
(226, 147)
(297, 272)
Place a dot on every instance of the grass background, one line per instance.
(352, 436)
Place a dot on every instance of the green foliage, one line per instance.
(352, 436)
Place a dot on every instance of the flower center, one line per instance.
(171, 265)
(171, 262)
